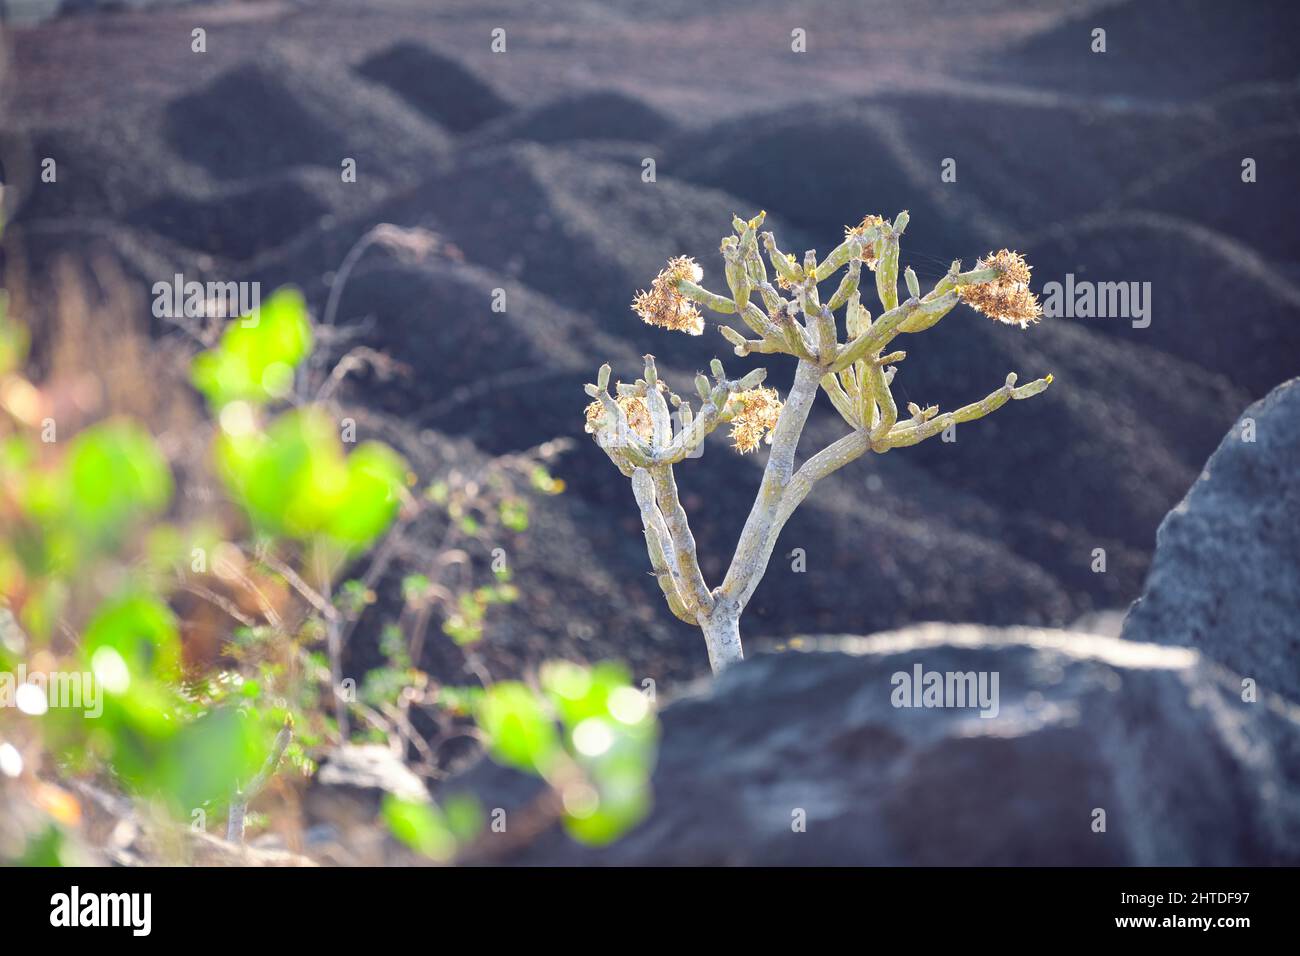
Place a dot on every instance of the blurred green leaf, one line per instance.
(290, 477)
(542, 481)
(392, 643)
(46, 849)
(520, 731)
(256, 356)
(415, 589)
(132, 735)
(141, 629)
(353, 597)
(383, 685)
(113, 475)
(209, 757)
(611, 732)
(375, 475)
(45, 602)
(621, 805)
(463, 815)
(514, 514)
(579, 693)
(420, 826)
(17, 453)
(460, 700)
(294, 480)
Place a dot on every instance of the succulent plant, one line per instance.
(635, 426)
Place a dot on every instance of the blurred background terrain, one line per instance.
(1122, 166)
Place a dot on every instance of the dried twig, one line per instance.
(242, 796)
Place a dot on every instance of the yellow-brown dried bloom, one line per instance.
(753, 416)
(634, 410)
(1006, 298)
(637, 414)
(861, 229)
(664, 306)
(784, 283)
(595, 417)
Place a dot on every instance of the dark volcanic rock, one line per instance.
(1226, 574)
(510, 379)
(1167, 49)
(1212, 300)
(823, 166)
(587, 234)
(595, 115)
(102, 169)
(136, 255)
(289, 109)
(239, 221)
(440, 87)
(121, 171)
(1022, 162)
(1206, 188)
(1157, 737)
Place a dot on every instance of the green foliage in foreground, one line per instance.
(95, 558)
(588, 733)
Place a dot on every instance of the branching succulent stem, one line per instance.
(759, 534)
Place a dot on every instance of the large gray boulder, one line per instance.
(1155, 737)
(1226, 574)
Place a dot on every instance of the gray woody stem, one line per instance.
(242, 797)
(722, 636)
(761, 528)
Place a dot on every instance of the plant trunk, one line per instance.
(722, 635)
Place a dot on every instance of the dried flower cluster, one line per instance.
(868, 223)
(634, 410)
(664, 305)
(754, 415)
(1006, 298)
